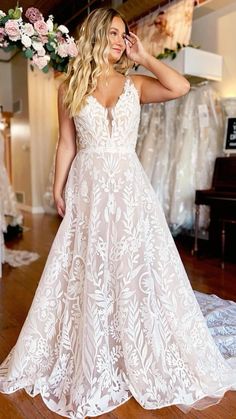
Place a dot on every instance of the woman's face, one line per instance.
(116, 39)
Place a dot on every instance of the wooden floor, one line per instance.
(17, 288)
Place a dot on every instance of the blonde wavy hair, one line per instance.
(93, 46)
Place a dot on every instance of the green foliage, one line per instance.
(172, 53)
(28, 53)
(9, 48)
(45, 69)
(14, 13)
(4, 20)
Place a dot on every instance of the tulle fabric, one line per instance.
(177, 145)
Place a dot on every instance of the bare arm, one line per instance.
(66, 151)
(169, 84)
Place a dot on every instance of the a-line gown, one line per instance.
(114, 314)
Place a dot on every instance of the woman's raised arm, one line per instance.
(169, 83)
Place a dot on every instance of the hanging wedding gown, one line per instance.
(114, 315)
(177, 145)
(7, 195)
(10, 214)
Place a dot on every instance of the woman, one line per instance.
(114, 315)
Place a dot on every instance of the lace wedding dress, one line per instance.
(177, 145)
(10, 215)
(7, 195)
(114, 315)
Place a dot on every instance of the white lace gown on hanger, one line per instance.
(7, 195)
(114, 315)
(9, 213)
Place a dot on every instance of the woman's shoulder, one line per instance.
(137, 81)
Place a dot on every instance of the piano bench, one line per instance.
(224, 221)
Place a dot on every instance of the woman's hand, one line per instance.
(60, 205)
(134, 48)
(167, 84)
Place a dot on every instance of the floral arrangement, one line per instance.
(43, 42)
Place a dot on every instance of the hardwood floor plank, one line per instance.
(9, 409)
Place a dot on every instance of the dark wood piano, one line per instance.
(221, 197)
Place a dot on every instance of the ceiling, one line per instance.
(72, 12)
(211, 6)
(69, 12)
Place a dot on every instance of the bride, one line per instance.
(114, 315)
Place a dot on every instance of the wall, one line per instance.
(20, 130)
(216, 32)
(42, 93)
(5, 86)
(34, 130)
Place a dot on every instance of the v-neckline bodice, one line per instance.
(110, 122)
(107, 108)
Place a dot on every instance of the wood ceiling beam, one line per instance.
(133, 9)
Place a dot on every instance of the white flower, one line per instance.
(49, 23)
(63, 29)
(28, 29)
(41, 62)
(26, 41)
(37, 45)
(41, 52)
(62, 50)
(2, 14)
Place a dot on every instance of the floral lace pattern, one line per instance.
(114, 315)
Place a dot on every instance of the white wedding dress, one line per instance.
(10, 215)
(7, 195)
(177, 145)
(114, 315)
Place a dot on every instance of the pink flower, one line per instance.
(12, 30)
(72, 49)
(33, 14)
(41, 27)
(60, 37)
(43, 39)
(41, 62)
